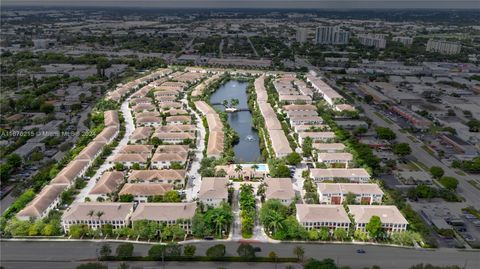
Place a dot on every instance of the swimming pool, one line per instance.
(262, 167)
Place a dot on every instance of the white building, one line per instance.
(213, 191)
(391, 218)
(167, 213)
(313, 216)
(373, 40)
(335, 193)
(354, 174)
(280, 189)
(331, 35)
(405, 40)
(443, 47)
(95, 215)
(301, 35)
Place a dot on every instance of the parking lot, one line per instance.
(450, 216)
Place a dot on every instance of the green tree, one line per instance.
(293, 158)
(172, 197)
(124, 251)
(374, 227)
(299, 252)
(450, 183)
(119, 166)
(402, 149)
(157, 252)
(189, 250)
(307, 146)
(324, 234)
(436, 172)
(316, 264)
(350, 198)
(126, 198)
(92, 265)
(340, 234)
(216, 251)
(385, 133)
(105, 251)
(246, 251)
(313, 235)
(368, 99)
(14, 160)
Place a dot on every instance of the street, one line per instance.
(56, 254)
(464, 188)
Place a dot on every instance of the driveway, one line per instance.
(129, 128)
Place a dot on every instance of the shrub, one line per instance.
(450, 183)
(124, 251)
(246, 251)
(189, 250)
(216, 251)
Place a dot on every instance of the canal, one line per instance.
(248, 148)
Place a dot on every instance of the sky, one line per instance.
(342, 4)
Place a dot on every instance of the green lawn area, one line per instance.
(474, 184)
(429, 151)
(383, 118)
(412, 138)
(411, 166)
(422, 166)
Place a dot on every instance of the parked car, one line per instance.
(361, 251)
(257, 249)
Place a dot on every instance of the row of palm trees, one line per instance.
(239, 169)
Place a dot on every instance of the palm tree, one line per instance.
(238, 169)
(91, 213)
(299, 252)
(254, 168)
(234, 102)
(219, 222)
(275, 221)
(99, 214)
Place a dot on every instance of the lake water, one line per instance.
(248, 149)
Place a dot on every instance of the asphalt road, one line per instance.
(20, 254)
(471, 195)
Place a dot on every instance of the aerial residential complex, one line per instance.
(147, 136)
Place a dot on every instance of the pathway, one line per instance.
(129, 128)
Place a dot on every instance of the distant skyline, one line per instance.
(326, 4)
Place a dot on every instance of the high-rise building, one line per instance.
(331, 35)
(443, 47)
(405, 40)
(373, 40)
(301, 35)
